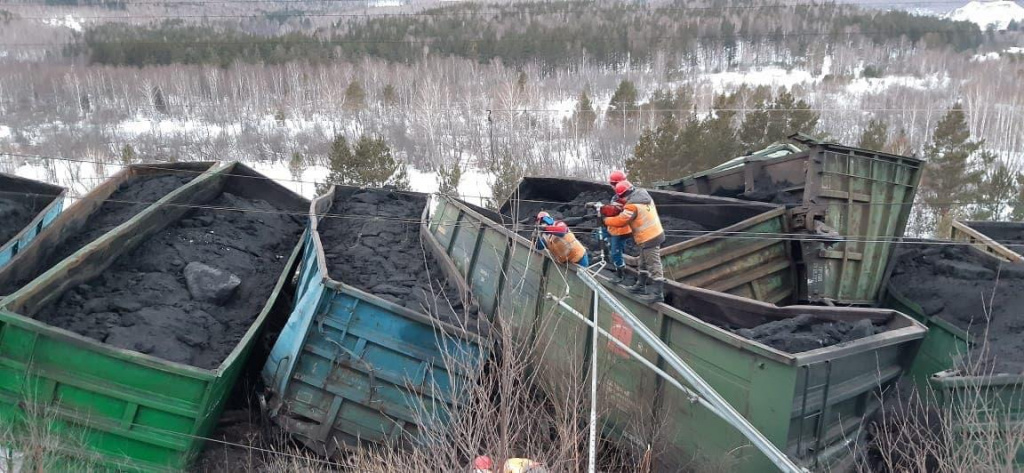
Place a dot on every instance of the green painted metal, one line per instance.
(719, 259)
(942, 345)
(853, 204)
(46, 201)
(988, 411)
(29, 263)
(138, 412)
(727, 179)
(811, 404)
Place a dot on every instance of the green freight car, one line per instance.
(848, 204)
(813, 405)
(65, 233)
(137, 412)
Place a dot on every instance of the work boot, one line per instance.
(640, 288)
(657, 292)
(620, 275)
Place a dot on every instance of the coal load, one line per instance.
(132, 197)
(189, 293)
(807, 332)
(372, 242)
(14, 216)
(974, 292)
(676, 229)
(1009, 235)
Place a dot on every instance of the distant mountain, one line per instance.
(998, 13)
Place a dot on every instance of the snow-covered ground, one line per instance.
(863, 85)
(997, 13)
(80, 178)
(68, 21)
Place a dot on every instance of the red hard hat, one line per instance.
(483, 462)
(623, 188)
(541, 215)
(616, 177)
(559, 228)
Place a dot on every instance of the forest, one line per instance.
(471, 97)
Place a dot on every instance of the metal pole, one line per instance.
(592, 461)
(725, 410)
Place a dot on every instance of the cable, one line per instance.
(591, 6)
(500, 9)
(168, 167)
(722, 234)
(274, 40)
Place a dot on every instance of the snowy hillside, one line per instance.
(999, 13)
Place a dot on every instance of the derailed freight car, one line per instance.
(353, 364)
(709, 240)
(112, 203)
(811, 404)
(27, 208)
(851, 204)
(136, 410)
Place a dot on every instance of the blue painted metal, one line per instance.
(350, 367)
(47, 197)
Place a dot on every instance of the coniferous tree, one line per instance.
(159, 102)
(355, 96)
(997, 191)
(341, 164)
(449, 178)
(952, 173)
(128, 155)
(296, 166)
(505, 176)
(623, 102)
(875, 136)
(389, 95)
(584, 115)
(654, 153)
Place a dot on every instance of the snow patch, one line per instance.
(862, 85)
(68, 22)
(769, 76)
(5, 132)
(473, 186)
(997, 13)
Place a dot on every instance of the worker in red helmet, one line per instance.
(617, 236)
(641, 216)
(560, 242)
(483, 464)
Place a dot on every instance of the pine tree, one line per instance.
(505, 177)
(128, 155)
(296, 166)
(449, 178)
(998, 189)
(584, 115)
(874, 136)
(355, 96)
(159, 102)
(376, 167)
(623, 102)
(340, 163)
(654, 153)
(390, 95)
(521, 82)
(952, 173)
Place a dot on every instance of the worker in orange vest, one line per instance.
(560, 242)
(641, 216)
(617, 236)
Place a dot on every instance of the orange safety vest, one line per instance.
(646, 225)
(565, 248)
(620, 231)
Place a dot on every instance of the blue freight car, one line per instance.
(43, 201)
(351, 366)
